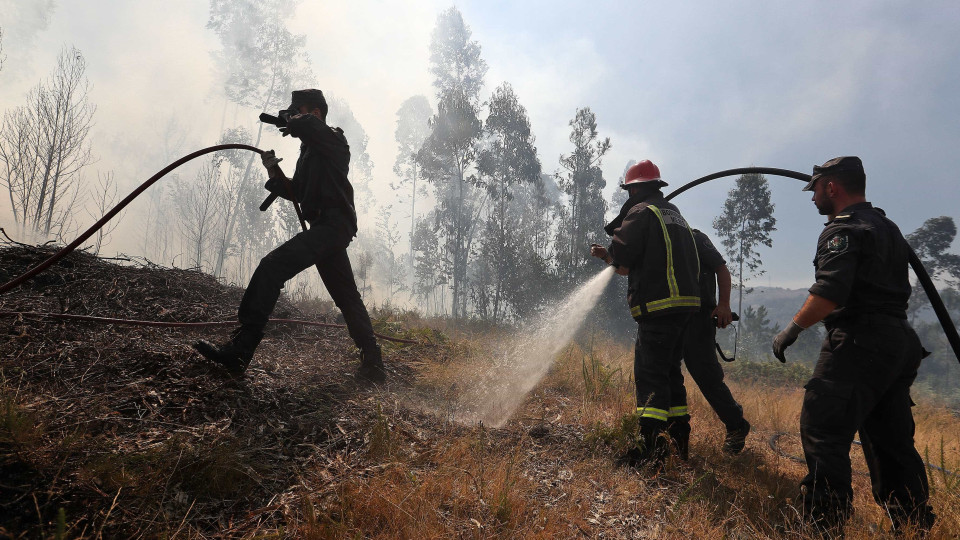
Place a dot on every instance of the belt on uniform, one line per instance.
(867, 319)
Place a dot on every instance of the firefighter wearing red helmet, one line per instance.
(654, 246)
(641, 173)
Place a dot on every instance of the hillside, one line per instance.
(782, 304)
(123, 432)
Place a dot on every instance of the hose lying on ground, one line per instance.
(165, 324)
(772, 442)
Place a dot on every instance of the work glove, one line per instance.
(785, 339)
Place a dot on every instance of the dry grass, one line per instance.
(119, 433)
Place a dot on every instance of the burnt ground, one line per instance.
(131, 433)
(121, 431)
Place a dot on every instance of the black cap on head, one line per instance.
(835, 165)
(310, 97)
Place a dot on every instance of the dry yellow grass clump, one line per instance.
(550, 472)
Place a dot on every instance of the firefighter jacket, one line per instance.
(657, 245)
(320, 181)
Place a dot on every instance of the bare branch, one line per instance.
(44, 147)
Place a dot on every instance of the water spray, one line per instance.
(525, 360)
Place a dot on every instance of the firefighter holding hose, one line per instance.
(868, 360)
(654, 245)
(321, 186)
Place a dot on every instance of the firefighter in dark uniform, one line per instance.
(321, 186)
(867, 363)
(653, 244)
(699, 345)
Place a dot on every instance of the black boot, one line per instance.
(918, 520)
(736, 438)
(234, 355)
(651, 449)
(679, 430)
(371, 364)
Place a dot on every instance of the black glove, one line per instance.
(785, 339)
(275, 185)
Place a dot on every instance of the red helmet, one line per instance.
(642, 172)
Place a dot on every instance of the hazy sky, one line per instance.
(697, 87)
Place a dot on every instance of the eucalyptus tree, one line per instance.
(581, 180)
(745, 225)
(931, 242)
(429, 266)
(361, 166)
(448, 160)
(413, 126)
(263, 62)
(508, 158)
(448, 157)
(390, 268)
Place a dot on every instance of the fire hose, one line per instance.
(113, 212)
(928, 287)
(774, 443)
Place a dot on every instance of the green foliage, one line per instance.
(507, 164)
(945, 472)
(598, 378)
(930, 242)
(448, 157)
(769, 373)
(619, 437)
(581, 222)
(756, 332)
(455, 61)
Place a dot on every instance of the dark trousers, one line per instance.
(700, 356)
(324, 245)
(862, 382)
(661, 396)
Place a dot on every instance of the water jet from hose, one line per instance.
(524, 361)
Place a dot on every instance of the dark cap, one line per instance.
(835, 165)
(309, 97)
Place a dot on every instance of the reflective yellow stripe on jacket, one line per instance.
(674, 300)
